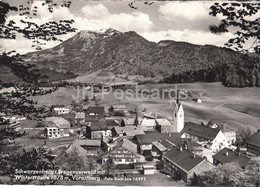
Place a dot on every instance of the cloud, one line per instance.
(187, 15)
(187, 10)
(95, 12)
(195, 37)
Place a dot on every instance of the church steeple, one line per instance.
(178, 114)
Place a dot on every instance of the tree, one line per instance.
(242, 135)
(31, 30)
(136, 122)
(70, 160)
(242, 17)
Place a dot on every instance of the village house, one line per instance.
(212, 138)
(144, 142)
(61, 109)
(100, 129)
(129, 121)
(120, 154)
(161, 147)
(227, 155)
(87, 150)
(52, 130)
(228, 132)
(14, 118)
(149, 124)
(80, 117)
(96, 110)
(253, 143)
(60, 125)
(13, 126)
(129, 131)
(183, 164)
(164, 126)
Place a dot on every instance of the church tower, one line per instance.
(178, 115)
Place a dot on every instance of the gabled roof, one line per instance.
(59, 121)
(121, 144)
(200, 131)
(93, 118)
(152, 137)
(129, 130)
(96, 109)
(148, 122)
(184, 159)
(254, 139)
(80, 115)
(103, 125)
(227, 155)
(159, 146)
(88, 142)
(163, 121)
(98, 125)
(112, 123)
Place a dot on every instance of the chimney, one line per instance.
(180, 148)
(227, 153)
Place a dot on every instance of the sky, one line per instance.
(163, 20)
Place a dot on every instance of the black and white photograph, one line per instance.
(130, 93)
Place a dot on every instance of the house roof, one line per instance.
(93, 118)
(148, 122)
(51, 124)
(129, 130)
(98, 125)
(254, 139)
(159, 146)
(120, 144)
(88, 142)
(227, 155)
(184, 159)
(152, 137)
(200, 131)
(80, 115)
(163, 121)
(96, 109)
(103, 125)
(59, 121)
(112, 123)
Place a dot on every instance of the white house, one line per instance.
(150, 124)
(212, 138)
(61, 109)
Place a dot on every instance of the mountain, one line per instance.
(130, 54)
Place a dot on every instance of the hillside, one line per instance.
(130, 54)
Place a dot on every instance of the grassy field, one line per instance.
(234, 106)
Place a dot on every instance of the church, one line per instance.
(178, 116)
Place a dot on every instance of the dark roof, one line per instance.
(200, 131)
(227, 155)
(93, 118)
(96, 109)
(112, 123)
(254, 139)
(98, 125)
(152, 137)
(103, 125)
(185, 159)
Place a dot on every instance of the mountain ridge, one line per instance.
(130, 54)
